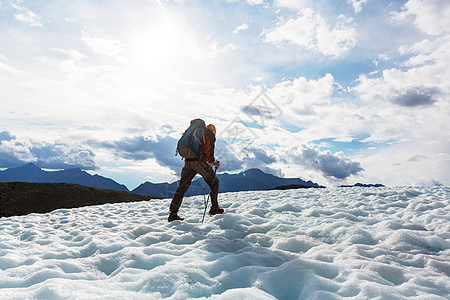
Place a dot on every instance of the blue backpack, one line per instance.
(189, 144)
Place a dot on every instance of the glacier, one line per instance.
(335, 243)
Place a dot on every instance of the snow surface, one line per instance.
(384, 243)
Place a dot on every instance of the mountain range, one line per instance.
(32, 173)
(250, 180)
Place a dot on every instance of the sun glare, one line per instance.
(157, 46)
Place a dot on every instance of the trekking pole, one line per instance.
(204, 196)
(206, 203)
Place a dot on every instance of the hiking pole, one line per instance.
(204, 198)
(206, 203)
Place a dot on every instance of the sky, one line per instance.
(335, 92)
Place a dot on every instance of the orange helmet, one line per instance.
(212, 128)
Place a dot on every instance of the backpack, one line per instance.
(189, 144)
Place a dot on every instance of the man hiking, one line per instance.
(199, 165)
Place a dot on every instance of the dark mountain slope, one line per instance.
(21, 198)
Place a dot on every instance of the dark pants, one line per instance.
(190, 169)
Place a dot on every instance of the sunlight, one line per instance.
(158, 45)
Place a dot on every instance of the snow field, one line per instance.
(384, 243)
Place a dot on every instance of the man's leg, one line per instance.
(206, 171)
(187, 174)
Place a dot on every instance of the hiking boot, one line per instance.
(215, 210)
(173, 217)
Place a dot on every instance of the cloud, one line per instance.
(106, 46)
(10, 69)
(422, 79)
(250, 2)
(6, 136)
(242, 155)
(8, 157)
(302, 97)
(380, 58)
(418, 96)
(255, 2)
(71, 53)
(406, 163)
(140, 148)
(26, 16)
(234, 157)
(227, 155)
(262, 108)
(136, 148)
(5, 59)
(240, 28)
(260, 158)
(311, 31)
(417, 158)
(214, 49)
(58, 155)
(357, 4)
(259, 154)
(63, 156)
(330, 165)
(430, 17)
(296, 5)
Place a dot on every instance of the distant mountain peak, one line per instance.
(253, 170)
(30, 166)
(32, 173)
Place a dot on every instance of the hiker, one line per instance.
(202, 166)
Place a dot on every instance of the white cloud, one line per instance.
(302, 96)
(311, 31)
(255, 2)
(431, 17)
(433, 53)
(380, 58)
(429, 68)
(434, 162)
(10, 69)
(408, 105)
(297, 5)
(58, 155)
(4, 58)
(240, 28)
(215, 49)
(107, 46)
(312, 107)
(251, 2)
(357, 4)
(72, 53)
(27, 16)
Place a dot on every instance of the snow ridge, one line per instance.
(293, 244)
